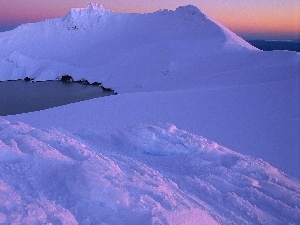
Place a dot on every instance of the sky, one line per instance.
(278, 19)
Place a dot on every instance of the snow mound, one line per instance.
(56, 177)
(163, 141)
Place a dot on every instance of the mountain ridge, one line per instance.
(89, 43)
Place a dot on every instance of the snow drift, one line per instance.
(143, 174)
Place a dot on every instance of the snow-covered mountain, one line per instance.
(100, 45)
(98, 162)
(130, 52)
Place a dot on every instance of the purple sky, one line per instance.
(255, 18)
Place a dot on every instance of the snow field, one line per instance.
(143, 174)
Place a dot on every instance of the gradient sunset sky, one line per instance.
(251, 19)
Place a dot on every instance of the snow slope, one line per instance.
(140, 175)
(100, 45)
(259, 120)
(98, 162)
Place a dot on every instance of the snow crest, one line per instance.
(190, 10)
(52, 176)
(82, 18)
(91, 8)
(96, 6)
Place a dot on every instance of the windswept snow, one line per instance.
(254, 119)
(143, 174)
(120, 159)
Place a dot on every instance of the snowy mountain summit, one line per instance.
(93, 9)
(81, 18)
(190, 10)
(95, 6)
(89, 42)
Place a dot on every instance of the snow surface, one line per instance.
(140, 175)
(98, 162)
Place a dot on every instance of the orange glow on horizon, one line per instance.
(239, 16)
(273, 21)
(263, 24)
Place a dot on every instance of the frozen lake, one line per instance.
(20, 96)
